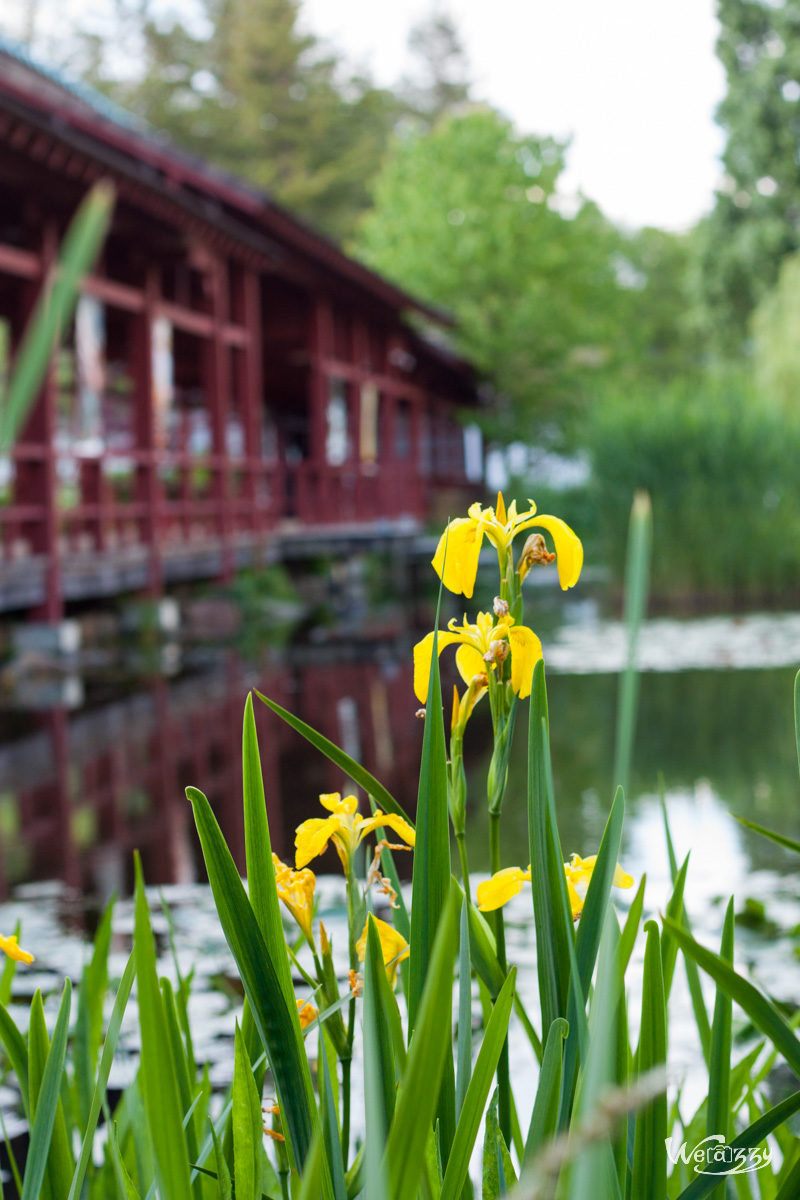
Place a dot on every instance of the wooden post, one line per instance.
(319, 391)
(217, 386)
(251, 391)
(36, 473)
(148, 481)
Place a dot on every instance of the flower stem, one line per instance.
(351, 1018)
(503, 1071)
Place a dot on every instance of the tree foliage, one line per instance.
(755, 222)
(776, 330)
(468, 216)
(263, 100)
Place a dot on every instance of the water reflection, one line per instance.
(723, 738)
(102, 770)
(79, 790)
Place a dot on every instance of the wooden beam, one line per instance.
(24, 264)
(118, 295)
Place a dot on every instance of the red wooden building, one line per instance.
(230, 375)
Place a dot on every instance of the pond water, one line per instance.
(93, 766)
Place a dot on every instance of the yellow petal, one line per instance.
(306, 1012)
(393, 946)
(502, 887)
(569, 548)
(621, 878)
(526, 650)
(390, 820)
(423, 653)
(470, 663)
(575, 899)
(312, 837)
(456, 557)
(580, 869)
(500, 509)
(12, 948)
(335, 804)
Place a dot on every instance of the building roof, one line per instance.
(71, 107)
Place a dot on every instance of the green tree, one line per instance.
(755, 221)
(467, 216)
(241, 85)
(660, 338)
(776, 330)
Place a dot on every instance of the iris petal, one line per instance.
(502, 887)
(470, 663)
(423, 653)
(456, 557)
(312, 837)
(569, 548)
(526, 650)
(390, 821)
(12, 948)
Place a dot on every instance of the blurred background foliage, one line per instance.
(663, 360)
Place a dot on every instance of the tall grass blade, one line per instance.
(158, 1069)
(431, 871)
(373, 787)
(223, 1172)
(14, 1044)
(637, 569)
(431, 878)
(544, 1118)
(464, 1045)
(330, 1126)
(258, 853)
(379, 1070)
(649, 1143)
(455, 1175)
(780, 839)
(430, 1045)
(47, 1102)
(630, 929)
(60, 1163)
(718, 1110)
(247, 1125)
(277, 1021)
(312, 1182)
(498, 1177)
(674, 909)
(125, 1186)
(692, 974)
(552, 919)
(54, 309)
(594, 1170)
(590, 930)
(104, 1070)
(759, 1009)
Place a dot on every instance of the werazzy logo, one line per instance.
(713, 1157)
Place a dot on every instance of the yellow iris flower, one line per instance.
(456, 557)
(296, 890)
(504, 885)
(394, 946)
(475, 643)
(11, 947)
(346, 828)
(306, 1012)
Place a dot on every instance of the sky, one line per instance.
(633, 83)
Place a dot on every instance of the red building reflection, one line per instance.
(80, 791)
